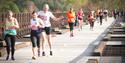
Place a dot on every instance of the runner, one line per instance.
(37, 26)
(105, 14)
(10, 34)
(101, 16)
(91, 20)
(97, 15)
(80, 15)
(71, 20)
(115, 13)
(45, 15)
(76, 20)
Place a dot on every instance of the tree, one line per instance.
(109, 4)
(13, 7)
(26, 5)
(8, 5)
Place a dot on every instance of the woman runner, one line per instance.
(10, 34)
(37, 26)
(80, 15)
(71, 20)
(45, 15)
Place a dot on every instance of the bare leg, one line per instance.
(34, 49)
(79, 24)
(49, 41)
(43, 40)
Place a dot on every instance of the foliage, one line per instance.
(9, 5)
(109, 4)
(62, 5)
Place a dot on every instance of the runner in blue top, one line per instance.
(10, 34)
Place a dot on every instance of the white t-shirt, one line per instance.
(34, 23)
(106, 11)
(45, 17)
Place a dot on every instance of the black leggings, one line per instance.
(35, 38)
(101, 17)
(10, 43)
(115, 16)
(71, 25)
(92, 24)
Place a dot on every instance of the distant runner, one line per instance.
(80, 16)
(105, 14)
(71, 20)
(91, 20)
(101, 16)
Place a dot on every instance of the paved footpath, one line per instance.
(65, 49)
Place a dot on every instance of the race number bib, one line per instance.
(44, 18)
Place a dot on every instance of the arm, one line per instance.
(55, 18)
(83, 14)
(42, 25)
(6, 25)
(16, 23)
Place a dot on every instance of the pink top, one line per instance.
(80, 14)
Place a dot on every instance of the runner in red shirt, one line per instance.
(91, 20)
(71, 20)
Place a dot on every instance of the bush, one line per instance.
(13, 7)
(9, 6)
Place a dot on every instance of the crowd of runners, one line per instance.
(40, 26)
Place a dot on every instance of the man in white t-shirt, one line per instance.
(45, 15)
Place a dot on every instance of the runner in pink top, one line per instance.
(80, 15)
